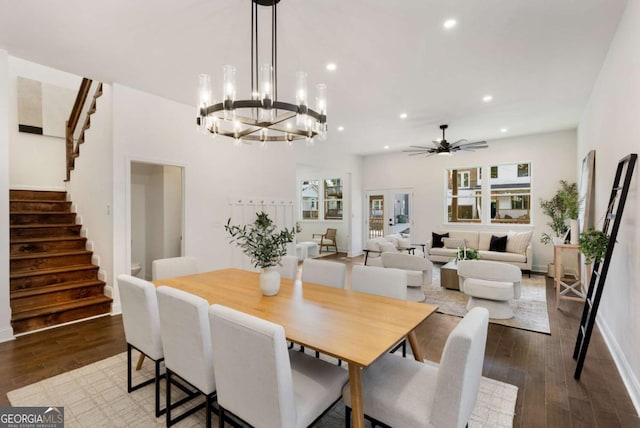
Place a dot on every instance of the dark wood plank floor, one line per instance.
(540, 365)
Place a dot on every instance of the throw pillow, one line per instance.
(498, 243)
(453, 243)
(436, 239)
(518, 242)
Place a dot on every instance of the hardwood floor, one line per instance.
(540, 365)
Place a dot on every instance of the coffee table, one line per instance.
(449, 276)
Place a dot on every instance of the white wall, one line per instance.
(90, 187)
(37, 161)
(6, 332)
(172, 185)
(153, 129)
(610, 125)
(552, 157)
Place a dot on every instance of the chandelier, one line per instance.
(262, 118)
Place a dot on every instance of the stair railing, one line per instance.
(81, 108)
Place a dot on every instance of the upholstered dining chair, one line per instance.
(323, 272)
(400, 392)
(327, 239)
(173, 266)
(383, 282)
(260, 381)
(141, 329)
(490, 285)
(288, 267)
(186, 340)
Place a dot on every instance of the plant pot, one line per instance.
(575, 232)
(557, 240)
(270, 281)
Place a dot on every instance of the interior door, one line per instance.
(387, 212)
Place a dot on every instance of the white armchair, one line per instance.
(419, 271)
(490, 285)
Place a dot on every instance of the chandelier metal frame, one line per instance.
(264, 117)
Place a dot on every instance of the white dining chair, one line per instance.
(322, 272)
(260, 381)
(386, 282)
(288, 267)
(141, 329)
(186, 339)
(400, 392)
(173, 266)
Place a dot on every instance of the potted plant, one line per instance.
(265, 245)
(560, 208)
(593, 244)
(467, 254)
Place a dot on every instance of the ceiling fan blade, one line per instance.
(421, 153)
(457, 143)
(471, 144)
(417, 150)
(421, 147)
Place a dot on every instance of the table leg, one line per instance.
(558, 273)
(415, 348)
(140, 360)
(355, 385)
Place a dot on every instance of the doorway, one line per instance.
(388, 212)
(156, 215)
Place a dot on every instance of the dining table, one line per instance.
(354, 327)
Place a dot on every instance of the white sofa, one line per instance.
(394, 243)
(518, 251)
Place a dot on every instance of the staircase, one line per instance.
(52, 279)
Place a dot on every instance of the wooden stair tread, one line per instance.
(59, 307)
(37, 200)
(51, 254)
(21, 240)
(18, 294)
(41, 212)
(34, 225)
(25, 273)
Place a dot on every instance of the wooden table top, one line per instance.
(355, 327)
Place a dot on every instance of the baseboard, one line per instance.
(6, 334)
(625, 370)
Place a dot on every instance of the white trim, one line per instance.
(624, 368)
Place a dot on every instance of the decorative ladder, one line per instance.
(615, 208)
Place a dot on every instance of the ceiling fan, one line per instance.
(443, 147)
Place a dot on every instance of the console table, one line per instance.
(568, 290)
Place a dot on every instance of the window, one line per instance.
(506, 194)
(511, 194)
(310, 193)
(333, 199)
(464, 195)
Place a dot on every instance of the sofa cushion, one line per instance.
(374, 244)
(471, 238)
(436, 239)
(502, 257)
(447, 252)
(518, 242)
(388, 247)
(498, 243)
(454, 243)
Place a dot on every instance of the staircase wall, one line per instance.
(37, 161)
(91, 188)
(6, 331)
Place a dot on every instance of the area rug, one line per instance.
(96, 396)
(530, 311)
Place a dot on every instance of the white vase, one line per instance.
(575, 232)
(270, 281)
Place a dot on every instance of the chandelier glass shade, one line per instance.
(262, 117)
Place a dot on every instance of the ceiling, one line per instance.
(538, 58)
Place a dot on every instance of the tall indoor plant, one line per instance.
(265, 245)
(561, 207)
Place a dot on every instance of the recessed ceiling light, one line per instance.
(503, 129)
(449, 23)
(331, 66)
(386, 147)
(403, 115)
(340, 128)
(487, 98)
